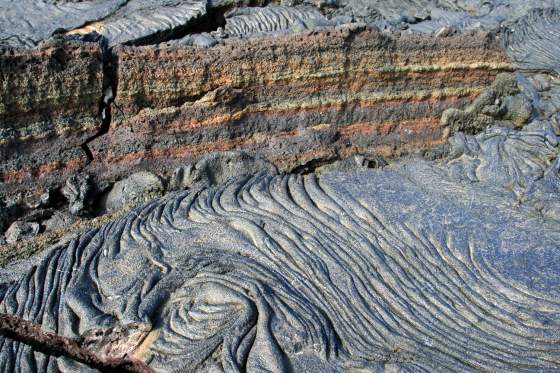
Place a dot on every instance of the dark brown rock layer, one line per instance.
(293, 98)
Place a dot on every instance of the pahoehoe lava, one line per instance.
(284, 186)
(422, 266)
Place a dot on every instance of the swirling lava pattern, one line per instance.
(365, 270)
(144, 22)
(24, 23)
(532, 42)
(250, 21)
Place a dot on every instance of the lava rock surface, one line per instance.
(424, 265)
(355, 264)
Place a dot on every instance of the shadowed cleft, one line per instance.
(110, 81)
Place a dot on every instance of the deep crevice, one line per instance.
(357, 161)
(312, 165)
(213, 19)
(110, 83)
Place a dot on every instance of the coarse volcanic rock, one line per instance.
(138, 188)
(291, 99)
(488, 108)
(21, 230)
(419, 266)
(25, 23)
(360, 261)
(79, 190)
(217, 168)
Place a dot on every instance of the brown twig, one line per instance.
(31, 334)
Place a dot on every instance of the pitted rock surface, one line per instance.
(451, 266)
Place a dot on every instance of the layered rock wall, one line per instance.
(292, 99)
(49, 103)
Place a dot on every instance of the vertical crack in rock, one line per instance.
(49, 100)
(110, 80)
(210, 21)
(213, 19)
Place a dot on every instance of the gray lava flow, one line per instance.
(365, 214)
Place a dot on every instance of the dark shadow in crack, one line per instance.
(110, 83)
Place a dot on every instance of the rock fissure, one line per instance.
(110, 85)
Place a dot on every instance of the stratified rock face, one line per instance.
(417, 266)
(49, 102)
(291, 98)
(423, 267)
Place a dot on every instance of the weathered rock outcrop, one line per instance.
(291, 99)
(49, 105)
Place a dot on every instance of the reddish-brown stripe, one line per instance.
(371, 128)
(176, 125)
(366, 128)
